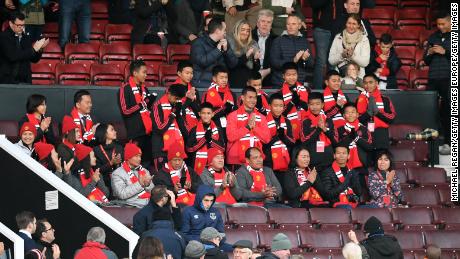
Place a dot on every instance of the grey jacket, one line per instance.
(126, 191)
(245, 182)
(24, 148)
(208, 179)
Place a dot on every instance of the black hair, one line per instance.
(349, 104)
(157, 193)
(161, 213)
(41, 228)
(17, 15)
(443, 14)
(247, 154)
(71, 136)
(276, 96)
(101, 132)
(386, 38)
(295, 153)
(288, 66)
(136, 65)
(316, 96)
(371, 75)
(177, 90)
(33, 102)
(79, 95)
(331, 73)
(214, 24)
(206, 105)
(183, 64)
(24, 218)
(384, 153)
(255, 75)
(85, 165)
(219, 69)
(356, 17)
(342, 145)
(247, 89)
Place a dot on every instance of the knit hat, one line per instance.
(68, 124)
(243, 244)
(161, 213)
(176, 151)
(213, 152)
(210, 233)
(194, 250)
(373, 226)
(82, 151)
(281, 242)
(43, 150)
(131, 150)
(27, 126)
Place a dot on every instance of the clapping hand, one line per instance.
(115, 160)
(298, 56)
(45, 123)
(390, 176)
(96, 176)
(312, 176)
(305, 55)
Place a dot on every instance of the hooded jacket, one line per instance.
(213, 252)
(382, 246)
(195, 218)
(142, 220)
(173, 243)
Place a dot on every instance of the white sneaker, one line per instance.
(444, 150)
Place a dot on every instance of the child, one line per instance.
(191, 100)
(255, 80)
(352, 81)
(334, 99)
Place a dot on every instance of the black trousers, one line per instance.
(442, 86)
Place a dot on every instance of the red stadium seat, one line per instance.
(52, 51)
(444, 197)
(418, 79)
(447, 218)
(86, 53)
(97, 33)
(380, 29)
(51, 30)
(331, 218)
(118, 32)
(359, 216)
(424, 35)
(402, 78)
(402, 154)
(123, 214)
(107, 75)
(72, 74)
(43, 73)
(406, 37)
(400, 131)
(248, 218)
(152, 75)
(177, 52)
(118, 52)
(121, 131)
(383, 3)
(223, 213)
(407, 55)
(422, 197)
(412, 18)
(381, 19)
(413, 218)
(99, 10)
(401, 173)
(420, 63)
(446, 239)
(266, 236)
(297, 218)
(320, 240)
(421, 148)
(427, 176)
(408, 240)
(168, 74)
(308, 14)
(414, 3)
(405, 164)
(150, 53)
(233, 235)
(10, 129)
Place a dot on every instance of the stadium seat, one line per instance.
(402, 154)
(118, 32)
(400, 130)
(420, 147)
(409, 240)
(424, 35)
(52, 51)
(331, 218)
(383, 3)
(51, 30)
(177, 52)
(168, 74)
(266, 236)
(233, 235)
(406, 37)
(10, 129)
(99, 10)
(414, 3)
(380, 17)
(401, 173)
(380, 29)
(106, 75)
(407, 55)
(150, 53)
(152, 75)
(83, 53)
(307, 12)
(72, 74)
(444, 255)
(418, 79)
(445, 239)
(422, 197)
(359, 216)
(121, 131)
(248, 218)
(427, 176)
(402, 78)
(320, 240)
(115, 53)
(318, 255)
(413, 218)
(420, 63)
(408, 254)
(43, 73)
(412, 18)
(447, 218)
(223, 213)
(123, 214)
(297, 218)
(404, 164)
(444, 197)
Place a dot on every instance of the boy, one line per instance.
(191, 100)
(81, 116)
(334, 99)
(202, 137)
(255, 80)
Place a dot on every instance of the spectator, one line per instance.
(384, 184)
(34, 254)
(377, 244)
(247, 52)
(281, 11)
(168, 122)
(290, 46)
(210, 50)
(27, 135)
(246, 128)
(352, 81)
(70, 134)
(438, 57)
(160, 197)
(203, 137)
(94, 246)
(255, 80)
(131, 183)
(352, 251)
(163, 229)
(78, 10)
(190, 21)
(36, 110)
(242, 249)
(302, 185)
(35, 17)
(221, 179)
(191, 101)
(135, 101)
(204, 29)
(45, 237)
(81, 116)
(178, 177)
(151, 248)
(433, 252)
(384, 63)
(3, 254)
(237, 10)
(264, 37)
(334, 99)
(27, 224)
(258, 183)
(280, 248)
(17, 52)
(350, 45)
(211, 239)
(195, 250)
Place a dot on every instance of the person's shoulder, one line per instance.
(241, 170)
(119, 171)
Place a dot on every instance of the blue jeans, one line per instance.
(70, 10)
(322, 42)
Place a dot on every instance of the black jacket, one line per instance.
(193, 145)
(294, 191)
(103, 163)
(383, 246)
(287, 139)
(173, 243)
(142, 220)
(439, 64)
(333, 187)
(213, 252)
(364, 142)
(268, 255)
(393, 64)
(49, 134)
(163, 177)
(268, 45)
(15, 58)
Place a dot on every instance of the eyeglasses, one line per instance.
(52, 229)
(19, 25)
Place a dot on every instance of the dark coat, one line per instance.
(333, 187)
(383, 246)
(393, 64)
(15, 58)
(439, 64)
(364, 142)
(213, 252)
(173, 243)
(103, 163)
(142, 220)
(29, 243)
(268, 47)
(294, 191)
(49, 134)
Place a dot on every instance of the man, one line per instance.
(81, 116)
(168, 123)
(27, 224)
(17, 52)
(131, 183)
(264, 37)
(334, 99)
(240, 10)
(191, 100)
(291, 46)
(224, 181)
(45, 236)
(377, 244)
(242, 249)
(255, 80)
(438, 58)
(134, 102)
(258, 183)
(211, 239)
(246, 128)
(280, 248)
(195, 250)
(210, 50)
(178, 177)
(95, 245)
(341, 184)
(70, 10)
(159, 197)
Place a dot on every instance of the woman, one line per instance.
(247, 52)
(151, 248)
(350, 46)
(384, 184)
(281, 9)
(302, 186)
(70, 135)
(36, 110)
(27, 135)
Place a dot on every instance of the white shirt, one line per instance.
(26, 232)
(261, 43)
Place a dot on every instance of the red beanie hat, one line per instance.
(82, 151)
(213, 152)
(43, 150)
(27, 126)
(68, 124)
(131, 150)
(176, 151)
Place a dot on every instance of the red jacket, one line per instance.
(94, 250)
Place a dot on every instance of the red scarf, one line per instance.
(330, 102)
(201, 157)
(213, 96)
(96, 194)
(353, 161)
(314, 122)
(258, 183)
(225, 196)
(172, 135)
(86, 134)
(134, 179)
(36, 122)
(343, 200)
(363, 101)
(183, 196)
(280, 153)
(293, 115)
(311, 195)
(140, 98)
(250, 139)
(383, 63)
(69, 145)
(190, 116)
